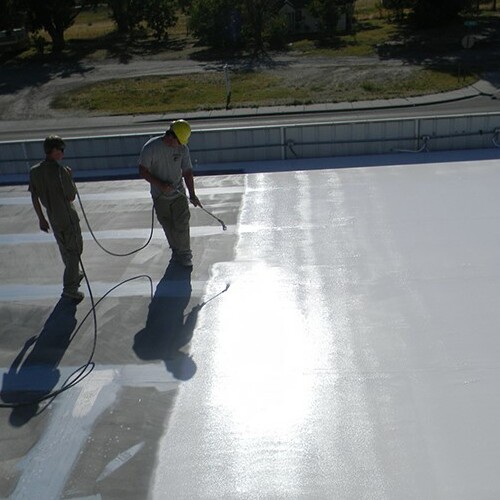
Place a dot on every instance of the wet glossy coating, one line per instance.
(338, 341)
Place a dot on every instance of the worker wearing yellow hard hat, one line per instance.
(165, 163)
(182, 130)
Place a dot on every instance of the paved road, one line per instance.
(77, 126)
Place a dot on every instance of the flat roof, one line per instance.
(338, 340)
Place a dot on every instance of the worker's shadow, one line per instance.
(34, 373)
(167, 328)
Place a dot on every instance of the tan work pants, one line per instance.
(71, 246)
(173, 215)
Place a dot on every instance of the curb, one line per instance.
(480, 88)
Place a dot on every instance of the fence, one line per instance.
(219, 149)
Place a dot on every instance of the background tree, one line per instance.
(431, 13)
(215, 23)
(185, 5)
(231, 23)
(13, 15)
(160, 15)
(397, 7)
(255, 13)
(54, 16)
(127, 14)
(276, 32)
(328, 15)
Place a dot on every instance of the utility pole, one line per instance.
(228, 85)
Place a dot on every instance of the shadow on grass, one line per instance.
(333, 43)
(237, 60)
(442, 49)
(32, 74)
(21, 71)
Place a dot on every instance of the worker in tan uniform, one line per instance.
(164, 163)
(52, 186)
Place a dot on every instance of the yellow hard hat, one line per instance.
(182, 130)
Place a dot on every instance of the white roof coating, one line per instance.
(338, 341)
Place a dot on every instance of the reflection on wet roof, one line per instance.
(338, 341)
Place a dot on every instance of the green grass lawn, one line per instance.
(91, 24)
(370, 33)
(207, 91)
